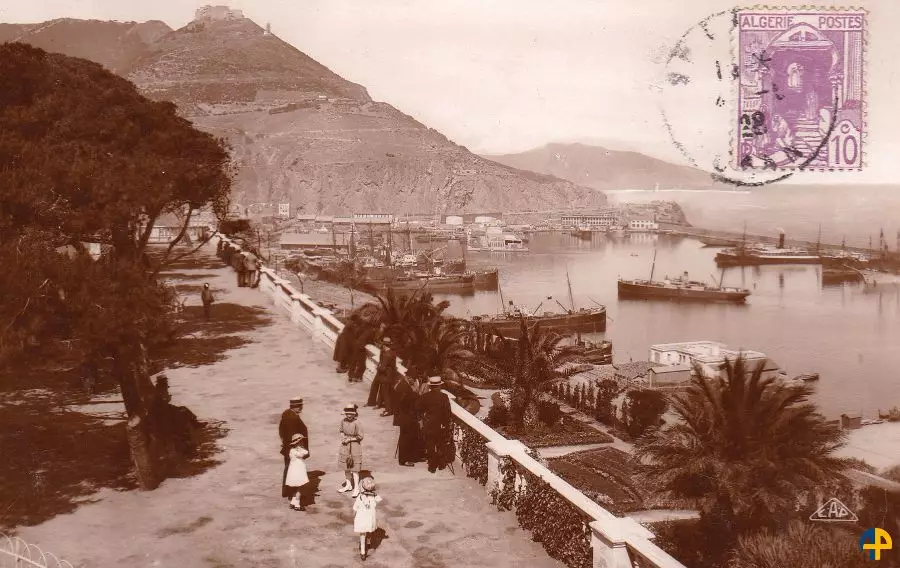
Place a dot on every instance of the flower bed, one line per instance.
(568, 432)
(604, 475)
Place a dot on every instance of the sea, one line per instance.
(848, 335)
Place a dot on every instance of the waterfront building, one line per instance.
(602, 219)
(373, 218)
(710, 356)
(284, 210)
(668, 376)
(643, 225)
(316, 240)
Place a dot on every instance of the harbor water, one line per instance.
(850, 337)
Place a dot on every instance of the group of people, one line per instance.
(245, 264)
(420, 411)
(295, 449)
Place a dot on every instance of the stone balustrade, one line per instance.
(615, 542)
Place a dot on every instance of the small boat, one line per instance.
(713, 242)
(807, 377)
(596, 352)
(498, 243)
(840, 273)
(583, 232)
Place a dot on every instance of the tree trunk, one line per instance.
(138, 394)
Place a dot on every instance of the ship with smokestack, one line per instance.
(758, 254)
(680, 288)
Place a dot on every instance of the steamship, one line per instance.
(757, 254)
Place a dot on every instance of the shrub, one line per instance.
(548, 412)
(642, 410)
(498, 415)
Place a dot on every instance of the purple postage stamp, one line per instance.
(801, 100)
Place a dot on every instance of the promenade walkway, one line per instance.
(233, 515)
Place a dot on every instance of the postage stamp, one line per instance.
(801, 99)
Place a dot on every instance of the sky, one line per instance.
(506, 76)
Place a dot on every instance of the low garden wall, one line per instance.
(572, 528)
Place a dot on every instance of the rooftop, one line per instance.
(707, 351)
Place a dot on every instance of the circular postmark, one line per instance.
(703, 77)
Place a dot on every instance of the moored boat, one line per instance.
(583, 232)
(679, 289)
(446, 284)
(760, 254)
(584, 320)
(486, 279)
(596, 352)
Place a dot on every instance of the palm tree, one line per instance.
(438, 348)
(744, 447)
(526, 365)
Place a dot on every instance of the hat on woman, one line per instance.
(297, 438)
(435, 382)
(367, 484)
(350, 409)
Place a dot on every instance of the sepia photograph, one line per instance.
(585, 284)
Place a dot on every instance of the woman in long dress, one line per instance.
(409, 445)
(350, 458)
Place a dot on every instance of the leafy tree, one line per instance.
(85, 158)
(744, 448)
(526, 366)
(642, 410)
(607, 391)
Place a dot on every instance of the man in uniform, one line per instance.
(436, 425)
(289, 425)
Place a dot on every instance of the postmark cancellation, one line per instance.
(801, 93)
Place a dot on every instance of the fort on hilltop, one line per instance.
(217, 13)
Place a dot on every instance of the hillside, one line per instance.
(115, 45)
(604, 169)
(301, 133)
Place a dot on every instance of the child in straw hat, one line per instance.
(297, 475)
(365, 521)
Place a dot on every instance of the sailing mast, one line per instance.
(569, 282)
(502, 301)
(653, 265)
(819, 239)
(390, 244)
(408, 235)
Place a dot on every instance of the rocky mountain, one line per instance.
(115, 45)
(298, 131)
(604, 169)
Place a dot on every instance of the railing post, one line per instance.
(609, 546)
(496, 451)
(295, 308)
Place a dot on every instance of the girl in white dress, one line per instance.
(365, 522)
(297, 475)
